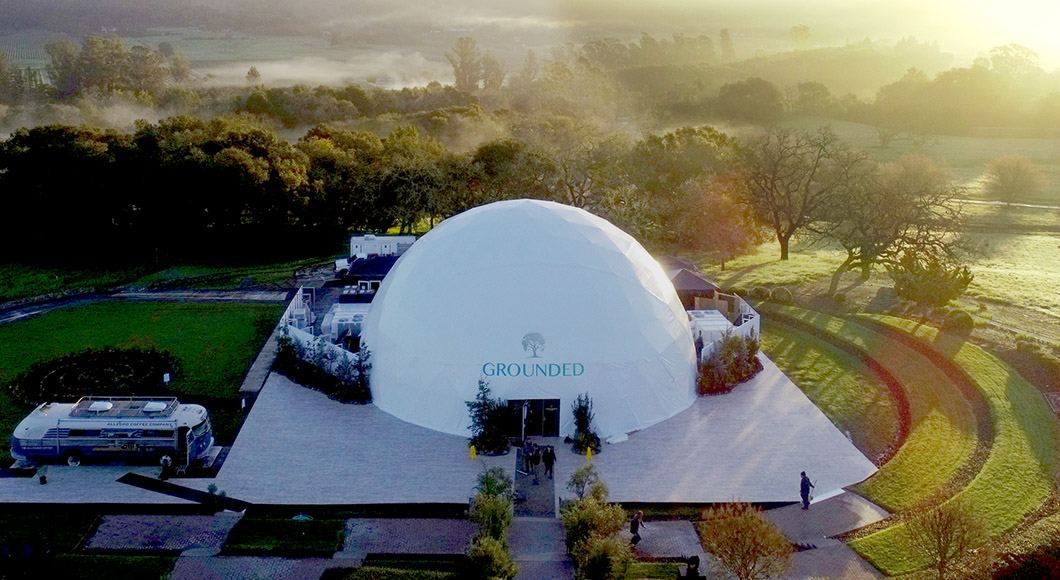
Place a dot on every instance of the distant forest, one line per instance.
(617, 127)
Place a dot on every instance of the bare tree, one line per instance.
(745, 542)
(793, 176)
(944, 534)
(905, 206)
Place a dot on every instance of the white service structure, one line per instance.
(543, 300)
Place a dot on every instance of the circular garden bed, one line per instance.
(95, 372)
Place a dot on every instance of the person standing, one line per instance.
(549, 459)
(804, 490)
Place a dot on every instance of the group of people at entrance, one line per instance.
(534, 455)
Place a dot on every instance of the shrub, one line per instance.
(490, 559)
(582, 479)
(781, 295)
(312, 367)
(489, 425)
(492, 514)
(958, 322)
(759, 293)
(588, 516)
(605, 558)
(494, 481)
(584, 436)
(732, 362)
(840, 298)
(1010, 176)
(744, 541)
(929, 280)
(387, 573)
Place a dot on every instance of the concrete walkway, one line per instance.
(813, 528)
(538, 547)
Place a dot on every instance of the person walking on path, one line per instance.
(804, 490)
(634, 527)
(528, 450)
(548, 457)
(535, 459)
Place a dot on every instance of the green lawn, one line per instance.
(285, 537)
(1014, 479)
(943, 433)
(853, 398)
(23, 280)
(26, 280)
(1018, 269)
(1018, 474)
(227, 277)
(62, 531)
(215, 343)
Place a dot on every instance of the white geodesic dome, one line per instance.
(543, 300)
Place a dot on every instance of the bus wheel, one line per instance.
(73, 458)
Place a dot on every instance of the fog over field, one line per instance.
(967, 29)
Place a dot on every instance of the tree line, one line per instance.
(232, 184)
(183, 179)
(649, 82)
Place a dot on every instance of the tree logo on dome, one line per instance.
(532, 343)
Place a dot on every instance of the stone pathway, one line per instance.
(814, 527)
(405, 536)
(163, 532)
(539, 499)
(538, 546)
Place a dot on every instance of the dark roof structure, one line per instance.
(371, 268)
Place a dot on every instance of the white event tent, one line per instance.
(544, 301)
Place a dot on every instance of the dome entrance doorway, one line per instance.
(533, 418)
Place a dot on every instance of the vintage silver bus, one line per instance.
(115, 428)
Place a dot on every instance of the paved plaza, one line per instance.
(299, 447)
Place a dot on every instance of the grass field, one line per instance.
(1013, 269)
(23, 280)
(1013, 479)
(967, 157)
(28, 280)
(853, 398)
(227, 277)
(215, 343)
(943, 432)
(1020, 471)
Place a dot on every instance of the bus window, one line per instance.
(167, 433)
(84, 432)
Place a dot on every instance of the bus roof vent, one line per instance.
(100, 406)
(154, 407)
